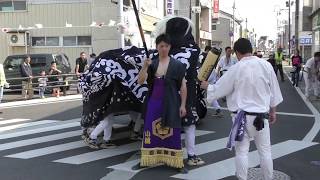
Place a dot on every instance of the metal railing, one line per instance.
(65, 82)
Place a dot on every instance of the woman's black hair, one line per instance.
(163, 38)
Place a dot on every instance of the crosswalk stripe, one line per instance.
(226, 167)
(13, 121)
(202, 148)
(48, 150)
(106, 153)
(58, 148)
(16, 126)
(100, 154)
(39, 140)
(39, 130)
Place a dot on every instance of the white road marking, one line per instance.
(226, 167)
(202, 148)
(34, 102)
(16, 126)
(10, 121)
(16, 144)
(316, 126)
(48, 150)
(39, 130)
(106, 153)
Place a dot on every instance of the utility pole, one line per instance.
(246, 35)
(233, 23)
(289, 27)
(198, 25)
(296, 24)
(121, 37)
(190, 10)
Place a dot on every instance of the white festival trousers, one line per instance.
(215, 104)
(310, 85)
(190, 139)
(136, 117)
(262, 142)
(106, 126)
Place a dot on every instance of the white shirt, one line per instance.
(213, 78)
(42, 81)
(309, 63)
(223, 62)
(250, 85)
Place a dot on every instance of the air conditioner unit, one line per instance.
(17, 39)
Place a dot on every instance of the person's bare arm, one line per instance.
(77, 69)
(143, 74)
(183, 95)
(218, 71)
(272, 115)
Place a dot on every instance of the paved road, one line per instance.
(41, 141)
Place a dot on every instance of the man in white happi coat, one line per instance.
(226, 61)
(311, 75)
(252, 92)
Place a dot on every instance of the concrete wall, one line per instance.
(53, 17)
(106, 37)
(220, 36)
(315, 5)
(306, 20)
(316, 32)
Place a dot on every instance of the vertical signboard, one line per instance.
(170, 7)
(215, 9)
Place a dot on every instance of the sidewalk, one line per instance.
(38, 101)
(16, 96)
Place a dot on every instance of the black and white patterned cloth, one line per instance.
(110, 84)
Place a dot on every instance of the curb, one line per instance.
(33, 102)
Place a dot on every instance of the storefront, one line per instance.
(316, 30)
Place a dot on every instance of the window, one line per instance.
(77, 41)
(13, 5)
(13, 62)
(38, 41)
(38, 61)
(45, 41)
(84, 40)
(214, 27)
(58, 60)
(69, 40)
(127, 3)
(52, 41)
(19, 5)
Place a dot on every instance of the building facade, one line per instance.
(200, 12)
(222, 31)
(73, 26)
(315, 16)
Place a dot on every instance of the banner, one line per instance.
(215, 9)
(170, 7)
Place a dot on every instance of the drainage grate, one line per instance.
(256, 174)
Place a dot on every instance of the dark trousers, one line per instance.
(279, 67)
(295, 76)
